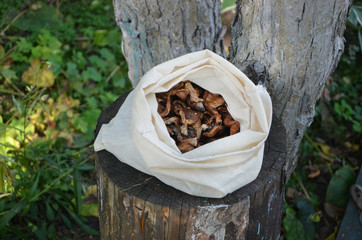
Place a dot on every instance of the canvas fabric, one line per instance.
(138, 136)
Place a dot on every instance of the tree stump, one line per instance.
(134, 205)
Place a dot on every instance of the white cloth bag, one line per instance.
(138, 136)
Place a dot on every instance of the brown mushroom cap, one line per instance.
(187, 144)
(235, 128)
(191, 115)
(214, 131)
(193, 121)
(182, 94)
(194, 101)
(213, 100)
(234, 125)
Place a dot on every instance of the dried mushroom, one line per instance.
(195, 116)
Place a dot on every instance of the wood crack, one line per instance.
(136, 185)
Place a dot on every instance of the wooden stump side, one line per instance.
(134, 205)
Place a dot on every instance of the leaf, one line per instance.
(2, 178)
(298, 226)
(81, 224)
(83, 140)
(227, 4)
(316, 217)
(8, 73)
(86, 167)
(355, 16)
(24, 46)
(100, 37)
(51, 230)
(77, 190)
(34, 188)
(49, 212)
(333, 235)
(91, 190)
(41, 232)
(105, 53)
(326, 150)
(305, 212)
(5, 173)
(37, 18)
(95, 4)
(90, 210)
(338, 188)
(293, 227)
(66, 220)
(87, 121)
(72, 69)
(4, 219)
(360, 38)
(92, 102)
(314, 174)
(81, 124)
(332, 211)
(92, 73)
(98, 62)
(18, 106)
(79, 59)
(2, 52)
(38, 75)
(91, 117)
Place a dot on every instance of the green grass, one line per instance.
(60, 65)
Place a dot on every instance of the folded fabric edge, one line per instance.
(98, 143)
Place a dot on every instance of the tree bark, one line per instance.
(154, 31)
(291, 47)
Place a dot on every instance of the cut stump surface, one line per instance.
(134, 205)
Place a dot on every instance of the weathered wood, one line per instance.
(292, 46)
(134, 205)
(155, 31)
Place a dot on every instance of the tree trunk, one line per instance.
(154, 31)
(134, 205)
(289, 46)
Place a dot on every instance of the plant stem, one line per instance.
(15, 87)
(54, 181)
(311, 142)
(10, 92)
(112, 73)
(302, 187)
(12, 21)
(7, 54)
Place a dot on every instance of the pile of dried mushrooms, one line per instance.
(195, 116)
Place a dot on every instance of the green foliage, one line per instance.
(299, 226)
(38, 17)
(355, 19)
(227, 4)
(347, 107)
(9, 7)
(60, 65)
(294, 228)
(338, 188)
